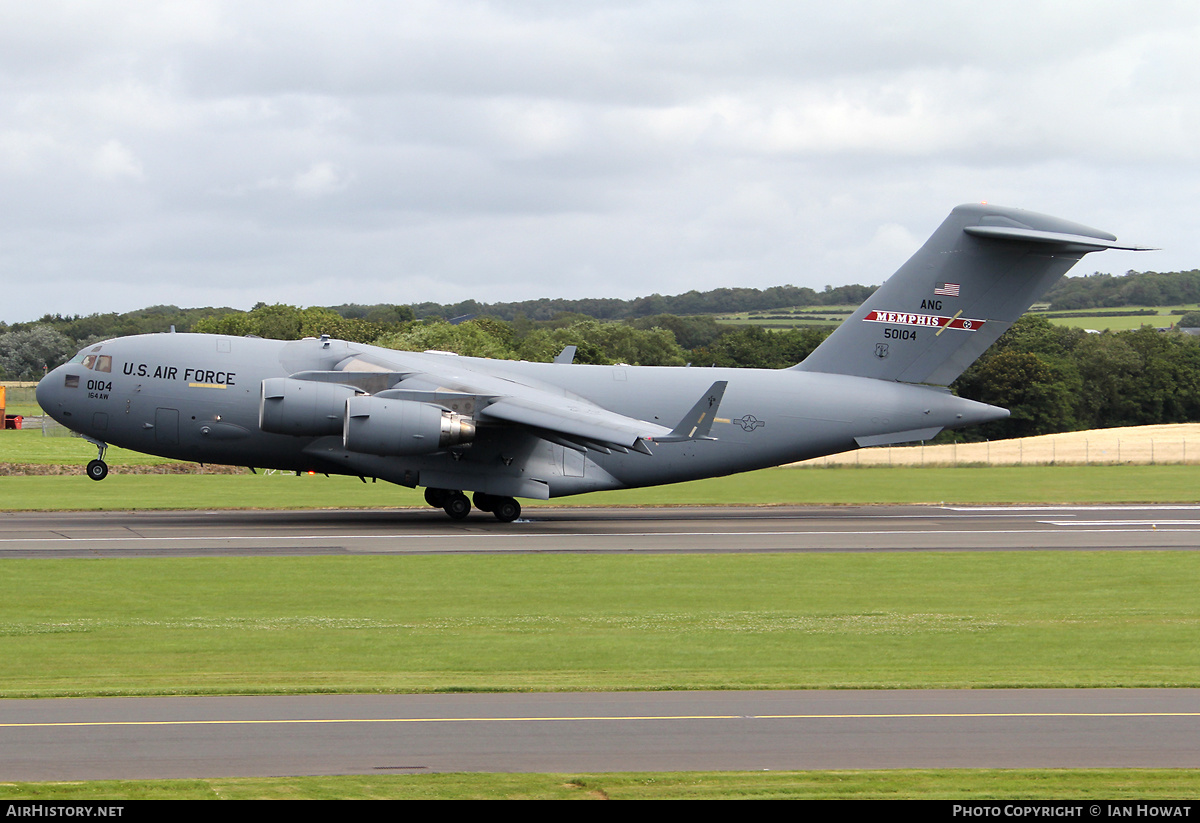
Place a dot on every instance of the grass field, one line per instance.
(796, 317)
(22, 452)
(28, 446)
(786, 486)
(1120, 466)
(610, 622)
(1104, 318)
(270, 625)
(947, 784)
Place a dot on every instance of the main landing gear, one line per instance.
(456, 504)
(98, 469)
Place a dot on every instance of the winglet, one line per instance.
(567, 355)
(696, 424)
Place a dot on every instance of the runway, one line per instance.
(657, 731)
(82, 739)
(733, 529)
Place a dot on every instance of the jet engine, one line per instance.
(388, 426)
(302, 407)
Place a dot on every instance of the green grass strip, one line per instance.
(219, 625)
(785, 486)
(27, 445)
(1132, 785)
(808, 486)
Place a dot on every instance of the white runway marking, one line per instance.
(1144, 523)
(1073, 527)
(587, 718)
(1142, 507)
(1095, 526)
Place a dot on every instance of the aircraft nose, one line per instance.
(49, 393)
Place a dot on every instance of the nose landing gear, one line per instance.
(98, 469)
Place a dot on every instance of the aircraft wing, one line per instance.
(573, 418)
(582, 420)
(568, 420)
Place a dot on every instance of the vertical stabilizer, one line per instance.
(979, 272)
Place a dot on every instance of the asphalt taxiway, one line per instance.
(717, 529)
(115, 738)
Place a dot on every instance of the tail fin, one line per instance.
(980, 271)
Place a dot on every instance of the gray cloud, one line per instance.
(223, 153)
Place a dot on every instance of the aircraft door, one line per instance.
(166, 427)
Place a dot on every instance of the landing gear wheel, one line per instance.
(457, 505)
(505, 509)
(97, 470)
(483, 502)
(436, 497)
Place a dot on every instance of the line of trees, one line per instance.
(717, 301)
(1052, 378)
(1056, 379)
(1149, 288)
(1069, 294)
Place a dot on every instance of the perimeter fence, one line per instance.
(1145, 445)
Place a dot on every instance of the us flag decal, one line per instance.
(946, 289)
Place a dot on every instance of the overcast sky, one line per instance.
(317, 153)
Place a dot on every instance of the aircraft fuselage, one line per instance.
(505, 429)
(198, 397)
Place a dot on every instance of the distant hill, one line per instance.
(716, 301)
(1150, 288)
(80, 328)
(1069, 294)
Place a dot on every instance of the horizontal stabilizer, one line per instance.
(1057, 238)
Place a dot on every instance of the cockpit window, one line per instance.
(96, 362)
(71, 381)
(77, 358)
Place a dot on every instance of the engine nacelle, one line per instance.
(391, 427)
(302, 407)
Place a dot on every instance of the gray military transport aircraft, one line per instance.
(505, 429)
